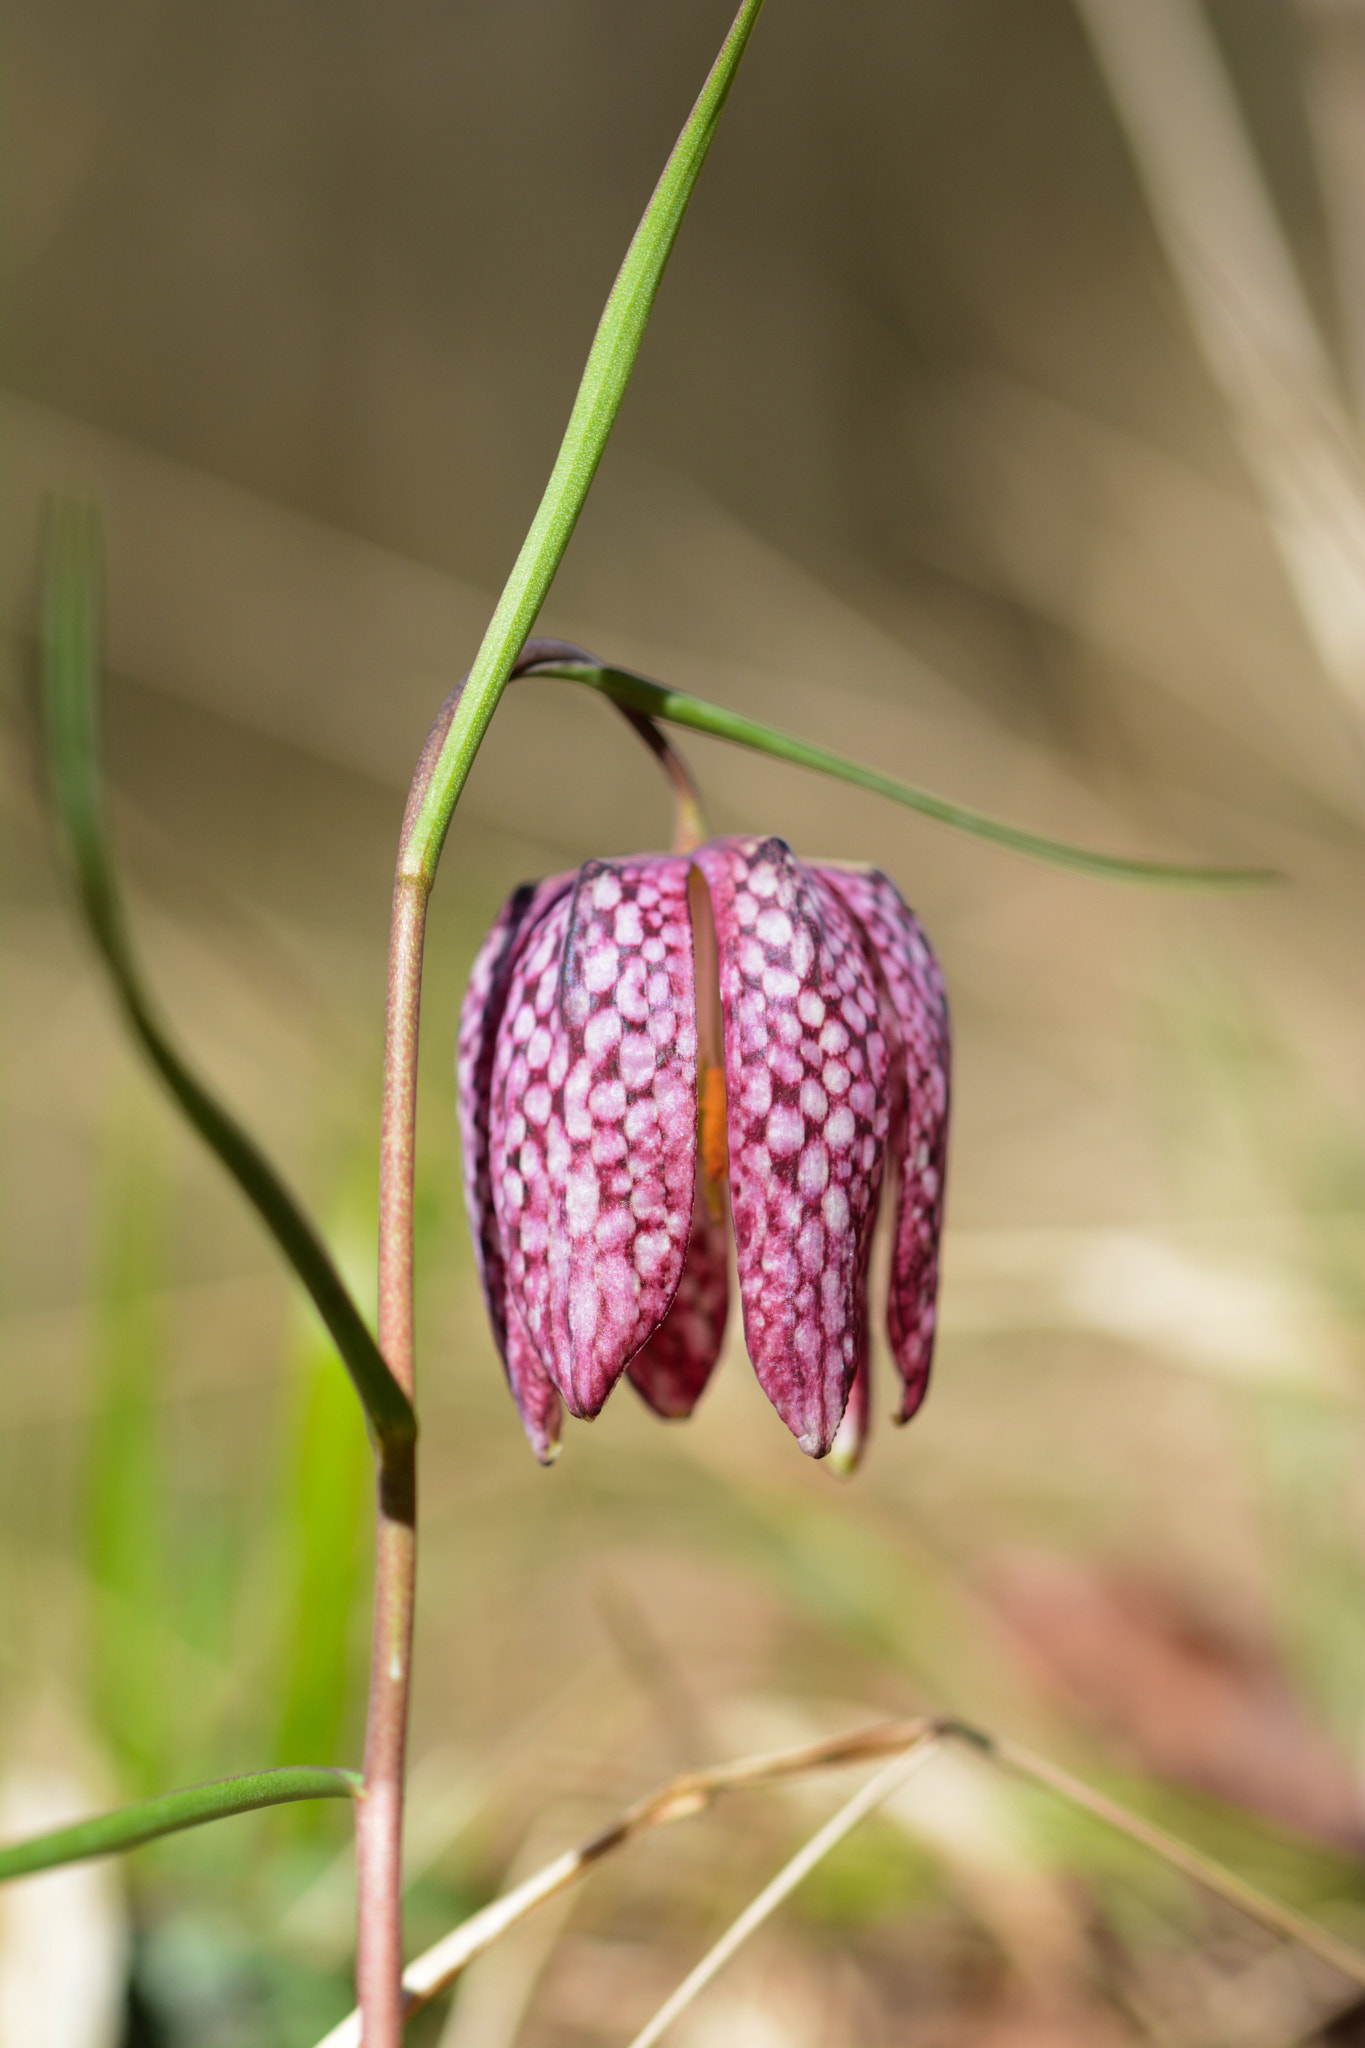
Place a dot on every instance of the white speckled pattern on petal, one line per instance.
(593, 1107)
(914, 990)
(480, 1015)
(808, 1108)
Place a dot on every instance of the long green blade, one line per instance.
(70, 668)
(605, 376)
(108, 1834)
(676, 708)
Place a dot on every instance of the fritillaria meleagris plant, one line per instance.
(642, 1032)
(644, 1044)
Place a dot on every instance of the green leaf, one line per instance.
(70, 668)
(109, 1834)
(605, 376)
(638, 693)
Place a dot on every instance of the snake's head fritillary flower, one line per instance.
(648, 1035)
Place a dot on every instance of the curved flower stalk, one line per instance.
(647, 1036)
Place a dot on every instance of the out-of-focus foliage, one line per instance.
(924, 462)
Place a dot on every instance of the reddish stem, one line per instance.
(379, 1820)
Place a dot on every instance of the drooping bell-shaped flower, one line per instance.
(606, 1099)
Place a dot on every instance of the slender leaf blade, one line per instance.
(111, 1834)
(70, 668)
(675, 707)
(605, 377)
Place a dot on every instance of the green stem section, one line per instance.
(70, 668)
(637, 693)
(605, 376)
(110, 1833)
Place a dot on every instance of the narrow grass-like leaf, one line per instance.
(70, 668)
(695, 1791)
(605, 376)
(638, 693)
(1181, 1855)
(865, 1801)
(109, 1834)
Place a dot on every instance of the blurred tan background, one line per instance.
(997, 425)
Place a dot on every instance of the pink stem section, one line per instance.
(379, 1819)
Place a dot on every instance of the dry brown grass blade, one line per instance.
(1202, 1870)
(871, 1795)
(1247, 306)
(681, 1797)
(1332, 39)
(432, 1972)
